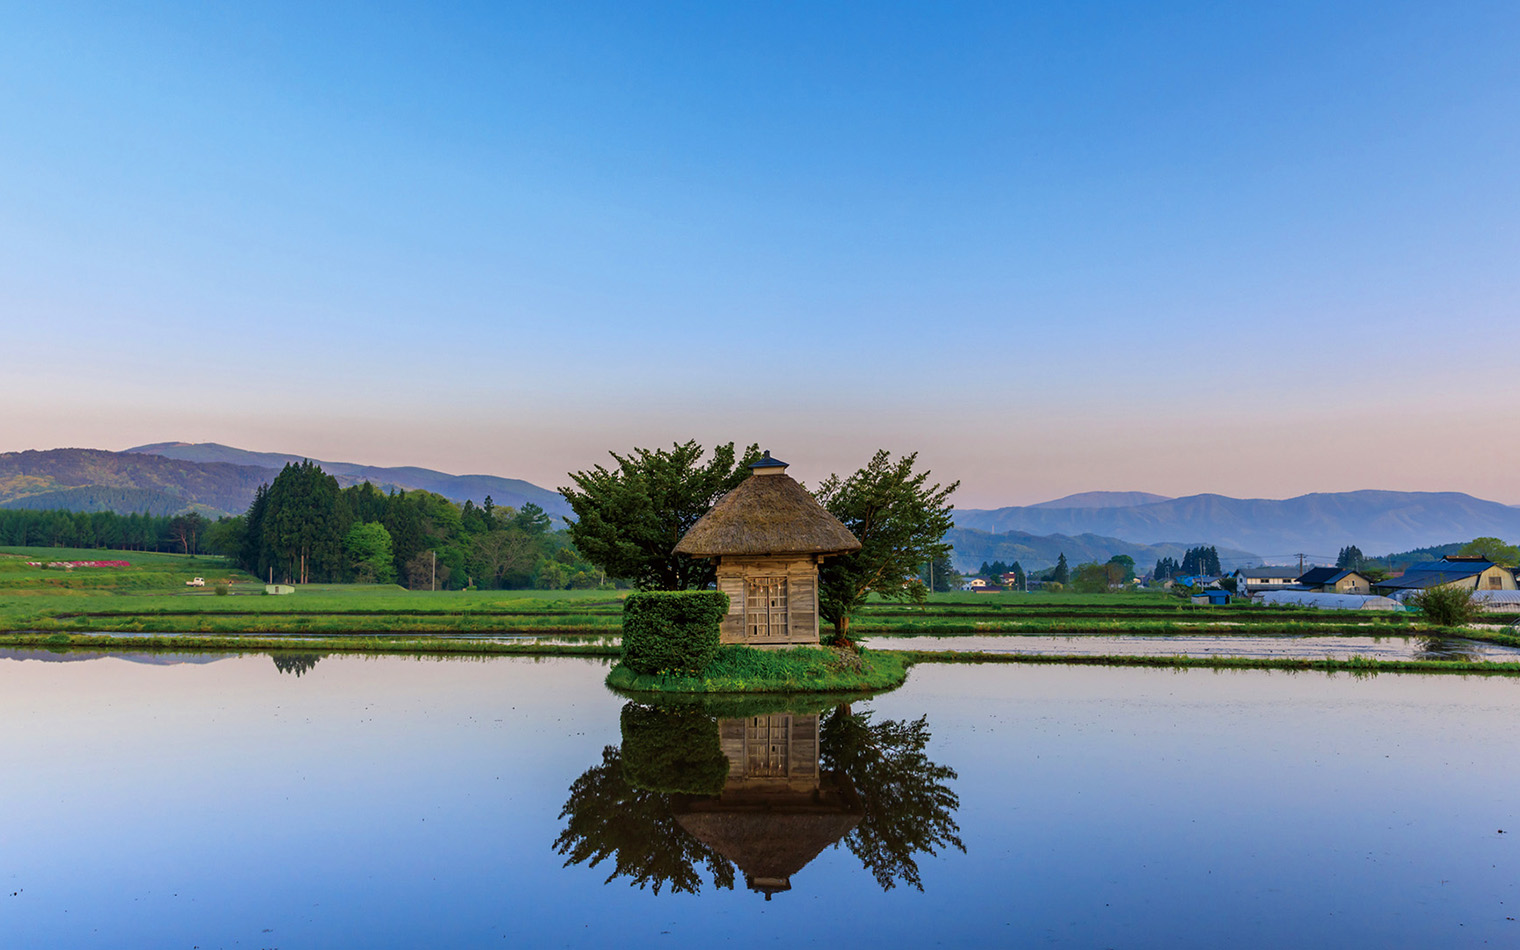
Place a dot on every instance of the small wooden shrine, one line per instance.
(778, 810)
(769, 536)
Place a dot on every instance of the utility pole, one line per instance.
(434, 581)
(1301, 563)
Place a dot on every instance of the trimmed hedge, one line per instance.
(673, 631)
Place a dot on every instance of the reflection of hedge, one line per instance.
(672, 631)
(672, 749)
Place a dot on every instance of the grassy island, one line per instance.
(740, 669)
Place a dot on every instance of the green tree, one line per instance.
(900, 521)
(942, 574)
(1505, 555)
(1062, 574)
(1090, 578)
(368, 546)
(1350, 558)
(629, 518)
(304, 525)
(532, 520)
(1126, 566)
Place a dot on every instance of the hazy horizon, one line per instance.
(1254, 251)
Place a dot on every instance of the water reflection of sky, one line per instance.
(1309, 647)
(398, 802)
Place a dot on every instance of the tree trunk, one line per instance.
(842, 634)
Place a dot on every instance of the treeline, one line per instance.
(303, 528)
(187, 534)
(1197, 561)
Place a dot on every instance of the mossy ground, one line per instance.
(739, 669)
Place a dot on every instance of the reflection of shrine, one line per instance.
(776, 812)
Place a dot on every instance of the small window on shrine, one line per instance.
(765, 608)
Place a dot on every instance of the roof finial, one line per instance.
(767, 465)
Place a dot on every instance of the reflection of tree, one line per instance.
(908, 806)
(610, 817)
(1445, 648)
(670, 762)
(297, 663)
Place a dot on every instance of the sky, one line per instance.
(1259, 249)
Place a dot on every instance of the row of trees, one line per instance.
(629, 518)
(185, 533)
(1199, 560)
(303, 528)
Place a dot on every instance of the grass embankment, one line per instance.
(354, 643)
(738, 669)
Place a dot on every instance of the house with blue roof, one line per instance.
(1453, 570)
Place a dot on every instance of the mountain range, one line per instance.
(1036, 552)
(170, 477)
(1318, 525)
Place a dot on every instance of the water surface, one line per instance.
(402, 802)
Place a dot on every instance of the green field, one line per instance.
(149, 602)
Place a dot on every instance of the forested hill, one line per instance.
(54, 479)
(513, 492)
(215, 479)
(1037, 552)
(1319, 524)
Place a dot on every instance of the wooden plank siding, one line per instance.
(800, 574)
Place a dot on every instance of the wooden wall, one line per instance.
(801, 575)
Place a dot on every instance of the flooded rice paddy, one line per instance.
(305, 800)
(1304, 647)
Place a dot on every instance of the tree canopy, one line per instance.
(1505, 555)
(900, 520)
(629, 518)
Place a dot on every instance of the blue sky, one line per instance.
(1255, 249)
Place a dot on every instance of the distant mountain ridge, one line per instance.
(78, 478)
(503, 491)
(1318, 524)
(1104, 499)
(214, 479)
(1036, 552)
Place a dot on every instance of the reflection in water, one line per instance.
(1446, 648)
(765, 794)
(297, 663)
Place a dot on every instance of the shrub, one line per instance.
(672, 631)
(222, 589)
(1447, 606)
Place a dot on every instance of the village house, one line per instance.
(1453, 570)
(1332, 580)
(1253, 580)
(769, 535)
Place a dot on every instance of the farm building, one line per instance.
(769, 536)
(1214, 596)
(1474, 573)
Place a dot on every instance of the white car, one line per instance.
(196, 582)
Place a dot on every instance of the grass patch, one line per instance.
(740, 669)
(324, 644)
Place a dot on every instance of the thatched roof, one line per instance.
(767, 514)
